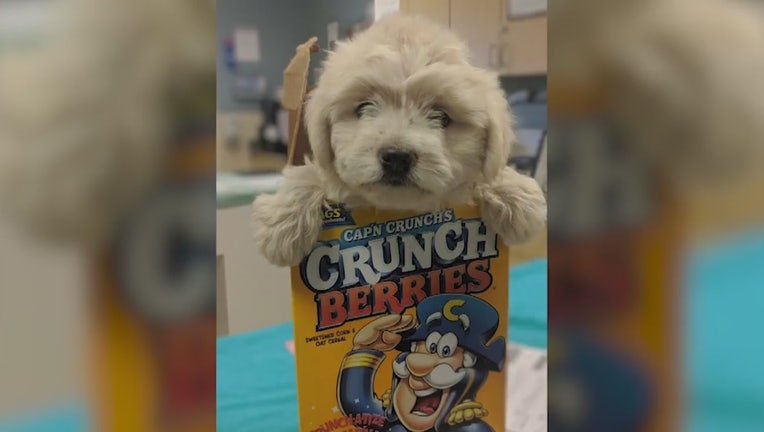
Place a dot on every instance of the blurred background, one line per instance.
(114, 130)
(656, 217)
(107, 150)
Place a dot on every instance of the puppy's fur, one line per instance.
(388, 90)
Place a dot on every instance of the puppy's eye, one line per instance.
(440, 118)
(362, 108)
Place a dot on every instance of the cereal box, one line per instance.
(401, 322)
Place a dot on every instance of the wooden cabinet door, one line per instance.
(436, 10)
(524, 47)
(478, 22)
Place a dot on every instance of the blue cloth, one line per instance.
(257, 387)
(66, 418)
(724, 351)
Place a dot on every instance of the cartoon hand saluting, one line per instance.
(383, 334)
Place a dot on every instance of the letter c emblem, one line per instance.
(448, 309)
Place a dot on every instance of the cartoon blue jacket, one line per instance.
(469, 320)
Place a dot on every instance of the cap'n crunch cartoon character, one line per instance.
(442, 365)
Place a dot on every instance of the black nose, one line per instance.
(396, 160)
(396, 164)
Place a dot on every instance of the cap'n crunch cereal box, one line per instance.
(401, 323)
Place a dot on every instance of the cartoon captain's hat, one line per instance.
(472, 320)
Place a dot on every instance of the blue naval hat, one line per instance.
(472, 320)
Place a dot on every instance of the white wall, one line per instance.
(256, 294)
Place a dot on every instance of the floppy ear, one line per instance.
(319, 130)
(499, 134)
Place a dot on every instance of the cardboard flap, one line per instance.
(295, 90)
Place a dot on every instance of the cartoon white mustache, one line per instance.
(442, 377)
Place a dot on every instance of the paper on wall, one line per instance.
(246, 45)
(385, 7)
(332, 34)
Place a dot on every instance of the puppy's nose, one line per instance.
(396, 163)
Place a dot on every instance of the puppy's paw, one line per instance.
(285, 229)
(513, 205)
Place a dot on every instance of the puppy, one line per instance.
(399, 119)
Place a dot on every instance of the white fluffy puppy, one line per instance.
(400, 120)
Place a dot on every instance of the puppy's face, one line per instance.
(406, 138)
(401, 124)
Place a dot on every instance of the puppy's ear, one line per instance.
(499, 133)
(318, 125)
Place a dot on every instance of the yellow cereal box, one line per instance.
(401, 323)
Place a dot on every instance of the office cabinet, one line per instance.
(436, 10)
(512, 47)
